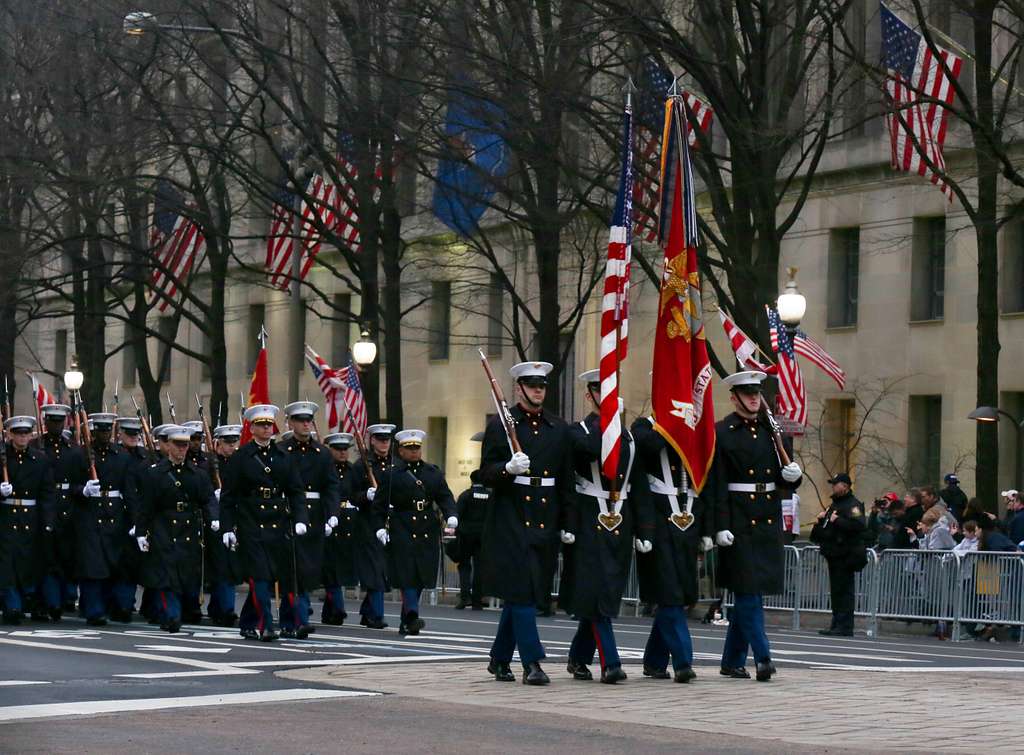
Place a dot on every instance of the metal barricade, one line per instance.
(815, 589)
(915, 585)
(990, 591)
(793, 579)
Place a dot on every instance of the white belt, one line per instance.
(19, 501)
(751, 487)
(481, 496)
(110, 494)
(658, 486)
(312, 495)
(588, 487)
(534, 482)
(64, 486)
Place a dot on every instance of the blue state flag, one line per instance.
(474, 159)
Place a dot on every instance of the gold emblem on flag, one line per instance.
(681, 292)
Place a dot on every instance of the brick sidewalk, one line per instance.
(826, 708)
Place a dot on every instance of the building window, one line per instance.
(1011, 276)
(838, 430)
(843, 277)
(257, 316)
(60, 355)
(440, 319)
(924, 439)
(495, 317)
(129, 364)
(167, 327)
(928, 269)
(341, 330)
(437, 440)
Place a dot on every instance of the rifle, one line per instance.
(170, 406)
(504, 415)
(4, 416)
(360, 443)
(146, 434)
(211, 455)
(88, 437)
(117, 384)
(776, 430)
(39, 416)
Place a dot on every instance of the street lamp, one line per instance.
(73, 378)
(992, 414)
(791, 304)
(364, 351)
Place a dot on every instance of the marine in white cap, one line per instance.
(340, 550)
(743, 489)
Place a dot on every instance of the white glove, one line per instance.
(371, 493)
(724, 538)
(328, 529)
(300, 529)
(131, 532)
(92, 489)
(215, 525)
(566, 537)
(382, 535)
(216, 494)
(453, 522)
(6, 489)
(706, 544)
(230, 541)
(791, 472)
(143, 543)
(332, 522)
(518, 464)
(642, 546)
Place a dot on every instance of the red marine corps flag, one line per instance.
(259, 387)
(681, 383)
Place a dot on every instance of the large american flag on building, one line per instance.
(806, 347)
(918, 92)
(614, 305)
(175, 242)
(343, 395)
(792, 398)
(326, 207)
(655, 83)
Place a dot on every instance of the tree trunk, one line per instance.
(547, 247)
(214, 325)
(391, 312)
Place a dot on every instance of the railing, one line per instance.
(964, 590)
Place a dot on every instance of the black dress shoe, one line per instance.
(56, 614)
(655, 673)
(195, 617)
(172, 626)
(249, 634)
(533, 674)
(842, 633)
(827, 632)
(461, 605)
(12, 617)
(375, 624)
(303, 632)
(765, 669)
(684, 675)
(286, 634)
(613, 675)
(97, 622)
(734, 673)
(478, 606)
(40, 616)
(333, 619)
(415, 626)
(579, 671)
(502, 671)
(121, 617)
(268, 635)
(363, 621)
(228, 619)
(69, 606)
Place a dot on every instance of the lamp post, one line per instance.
(73, 378)
(364, 351)
(992, 414)
(791, 304)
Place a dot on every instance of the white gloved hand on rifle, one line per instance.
(143, 543)
(453, 522)
(215, 525)
(328, 529)
(706, 544)
(92, 489)
(300, 529)
(230, 541)
(791, 472)
(518, 464)
(566, 537)
(332, 522)
(642, 546)
(382, 535)
(216, 494)
(724, 538)
(6, 489)
(371, 493)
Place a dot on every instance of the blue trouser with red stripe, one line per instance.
(169, 606)
(294, 610)
(257, 611)
(595, 635)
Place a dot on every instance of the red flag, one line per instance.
(681, 382)
(259, 391)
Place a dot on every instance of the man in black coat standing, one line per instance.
(531, 488)
(322, 493)
(840, 533)
(682, 529)
(412, 499)
(742, 490)
(176, 501)
(264, 503)
(27, 508)
(339, 551)
(222, 564)
(605, 522)
(371, 535)
(471, 509)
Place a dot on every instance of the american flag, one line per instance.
(803, 345)
(39, 392)
(918, 93)
(655, 83)
(341, 389)
(792, 394)
(176, 242)
(325, 206)
(614, 306)
(742, 346)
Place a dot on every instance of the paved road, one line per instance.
(71, 670)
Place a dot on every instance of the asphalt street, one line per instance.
(70, 671)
